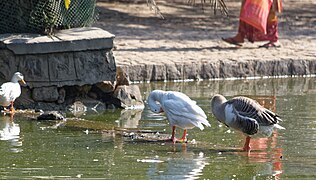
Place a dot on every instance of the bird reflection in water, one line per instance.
(264, 149)
(179, 165)
(10, 131)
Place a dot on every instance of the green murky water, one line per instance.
(35, 150)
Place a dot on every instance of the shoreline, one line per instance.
(187, 43)
(230, 79)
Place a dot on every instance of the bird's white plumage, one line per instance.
(180, 110)
(10, 131)
(9, 91)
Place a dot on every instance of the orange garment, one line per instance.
(253, 34)
(255, 13)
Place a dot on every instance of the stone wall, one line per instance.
(220, 69)
(72, 65)
(71, 57)
(59, 69)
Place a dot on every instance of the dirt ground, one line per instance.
(190, 33)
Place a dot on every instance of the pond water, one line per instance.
(33, 150)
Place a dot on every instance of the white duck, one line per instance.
(180, 110)
(9, 91)
(245, 115)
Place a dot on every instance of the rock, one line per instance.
(83, 90)
(45, 94)
(106, 86)
(62, 95)
(93, 95)
(25, 100)
(128, 96)
(121, 77)
(51, 115)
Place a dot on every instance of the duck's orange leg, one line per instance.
(184, 136)
(247, 144)
(12, 110)
(173, 137)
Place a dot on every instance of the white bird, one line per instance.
(245, 115)
(180, 110)
(9, 91)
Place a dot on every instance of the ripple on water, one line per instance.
(75, 152)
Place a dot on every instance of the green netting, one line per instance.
(43, 16)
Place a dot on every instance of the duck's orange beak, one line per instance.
(23, 82)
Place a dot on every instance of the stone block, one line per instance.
(34, 68)
(173, 72)
(8, 65)
(312, 67)
(191, 71)
(299, 67)
(263, 68)
(245, 69)
(109, 72)
(159, 73)
(145, 72)
(210, 70)
(69, 40)
(234, 68)
(134, 72)
(139, 72)
(282, 67)
(94, 66)
(61, 67)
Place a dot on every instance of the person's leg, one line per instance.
(272, 31)
(238, 39)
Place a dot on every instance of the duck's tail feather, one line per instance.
(201, 122)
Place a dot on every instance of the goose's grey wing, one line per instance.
(237, 121)
(247, 125)
(252, 109)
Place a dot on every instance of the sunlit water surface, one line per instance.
(32, 149)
